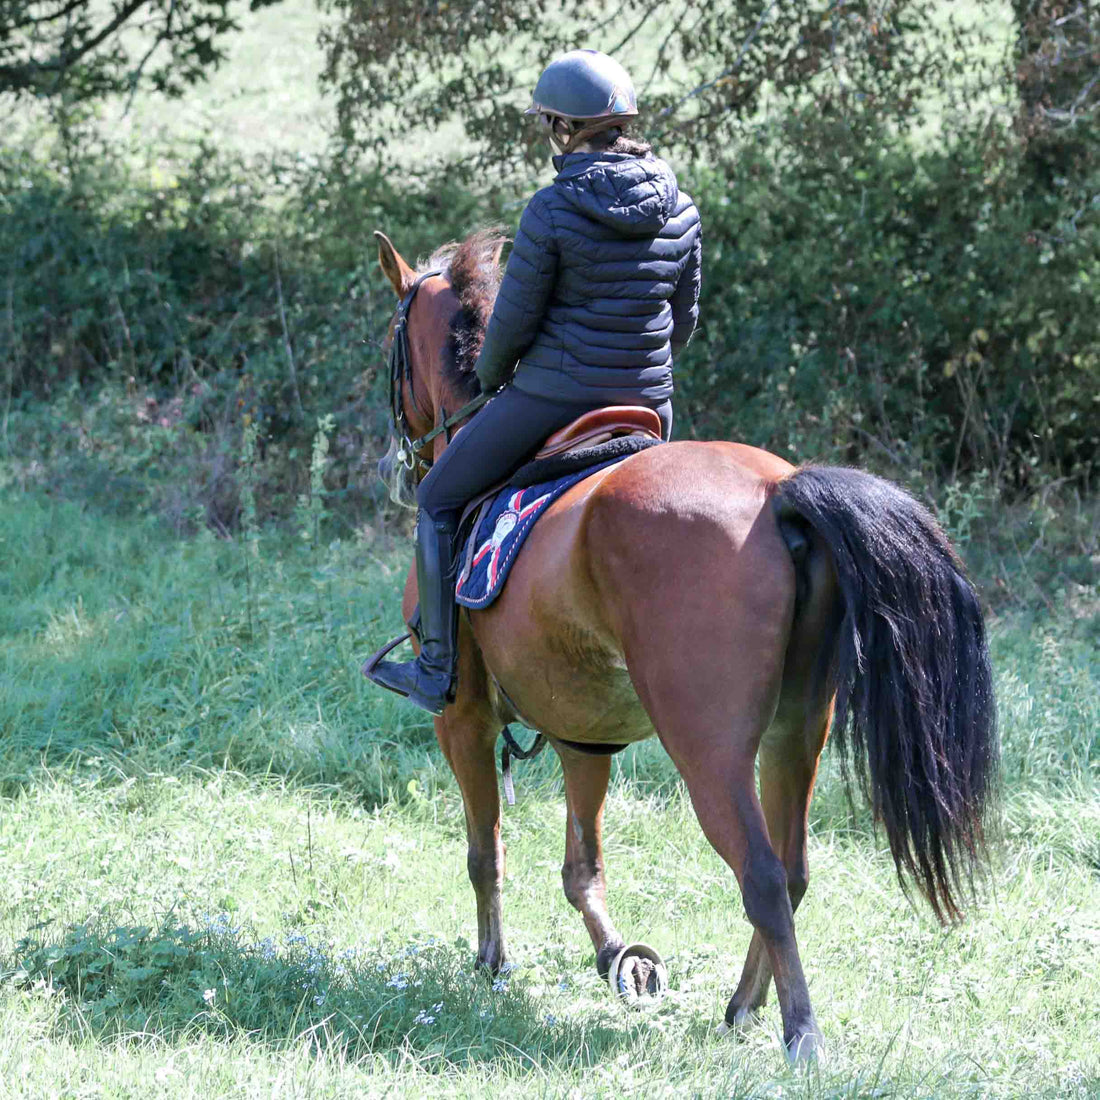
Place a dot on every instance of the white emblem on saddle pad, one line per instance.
(505, 525)
(493, 548)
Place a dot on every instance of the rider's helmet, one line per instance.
(580, 94)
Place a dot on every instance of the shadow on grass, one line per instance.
(424, 998)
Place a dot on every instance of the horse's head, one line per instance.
(435, 337)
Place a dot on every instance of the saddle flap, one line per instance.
(600, 425)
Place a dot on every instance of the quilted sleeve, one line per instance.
(524, 294)
(685, 299)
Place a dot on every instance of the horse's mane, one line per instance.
(474, 272)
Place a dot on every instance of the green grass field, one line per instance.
(230, 869)
(263, 99)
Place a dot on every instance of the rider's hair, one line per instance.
(616, 141)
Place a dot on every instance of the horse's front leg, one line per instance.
(467, 742)
(582, 875)
(467, 732)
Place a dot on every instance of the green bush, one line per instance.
(929, 309)
(151, 311)
(867, 299)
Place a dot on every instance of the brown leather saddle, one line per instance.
(600, 426)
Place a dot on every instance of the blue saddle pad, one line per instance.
(502, 527)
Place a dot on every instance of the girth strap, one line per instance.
(513, 748)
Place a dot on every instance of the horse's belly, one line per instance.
(576, 704)
(544, 645)
(564, 680)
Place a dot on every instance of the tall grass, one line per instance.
(124, 643)
(125, 647)
(229, 864)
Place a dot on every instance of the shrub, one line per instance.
(927, 308)
(158, 309)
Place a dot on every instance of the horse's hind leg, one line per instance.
(582, 876)
(788, 767)
(712, 694)
(724, 797)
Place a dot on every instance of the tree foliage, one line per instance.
(81, 49)
(700, 65)
(1058, 78)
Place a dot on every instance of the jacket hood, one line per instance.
(635, 196)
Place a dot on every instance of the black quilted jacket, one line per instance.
(602, 286)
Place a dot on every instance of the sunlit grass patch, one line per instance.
(227, 864)
(67, 629)
(265, 919)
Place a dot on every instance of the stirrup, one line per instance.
(376, 658)
(370, 670)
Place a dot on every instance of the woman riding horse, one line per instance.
(600, 293)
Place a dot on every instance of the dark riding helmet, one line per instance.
(581, 93)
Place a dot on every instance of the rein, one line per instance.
(408, 454)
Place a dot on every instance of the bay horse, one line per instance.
(738, 608)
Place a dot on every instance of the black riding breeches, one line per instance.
(495, 443)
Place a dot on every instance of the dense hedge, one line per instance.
(935, 307)
(149, 309)
(928, 310)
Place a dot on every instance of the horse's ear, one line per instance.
(498, 248)
(400, 275)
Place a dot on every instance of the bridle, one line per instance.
(408, 454)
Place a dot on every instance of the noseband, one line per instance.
(409, 454)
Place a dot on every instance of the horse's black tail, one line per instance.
(915, 703)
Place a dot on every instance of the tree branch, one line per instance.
(667, 39)
(38, 20)
(637, 27)
(672, 108)
(64, 60)
(162, 36)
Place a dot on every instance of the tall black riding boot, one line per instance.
(428, 681)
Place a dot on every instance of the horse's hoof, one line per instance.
(744, 1018)
(806, 1050)
(638, 976)
(491, 962)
